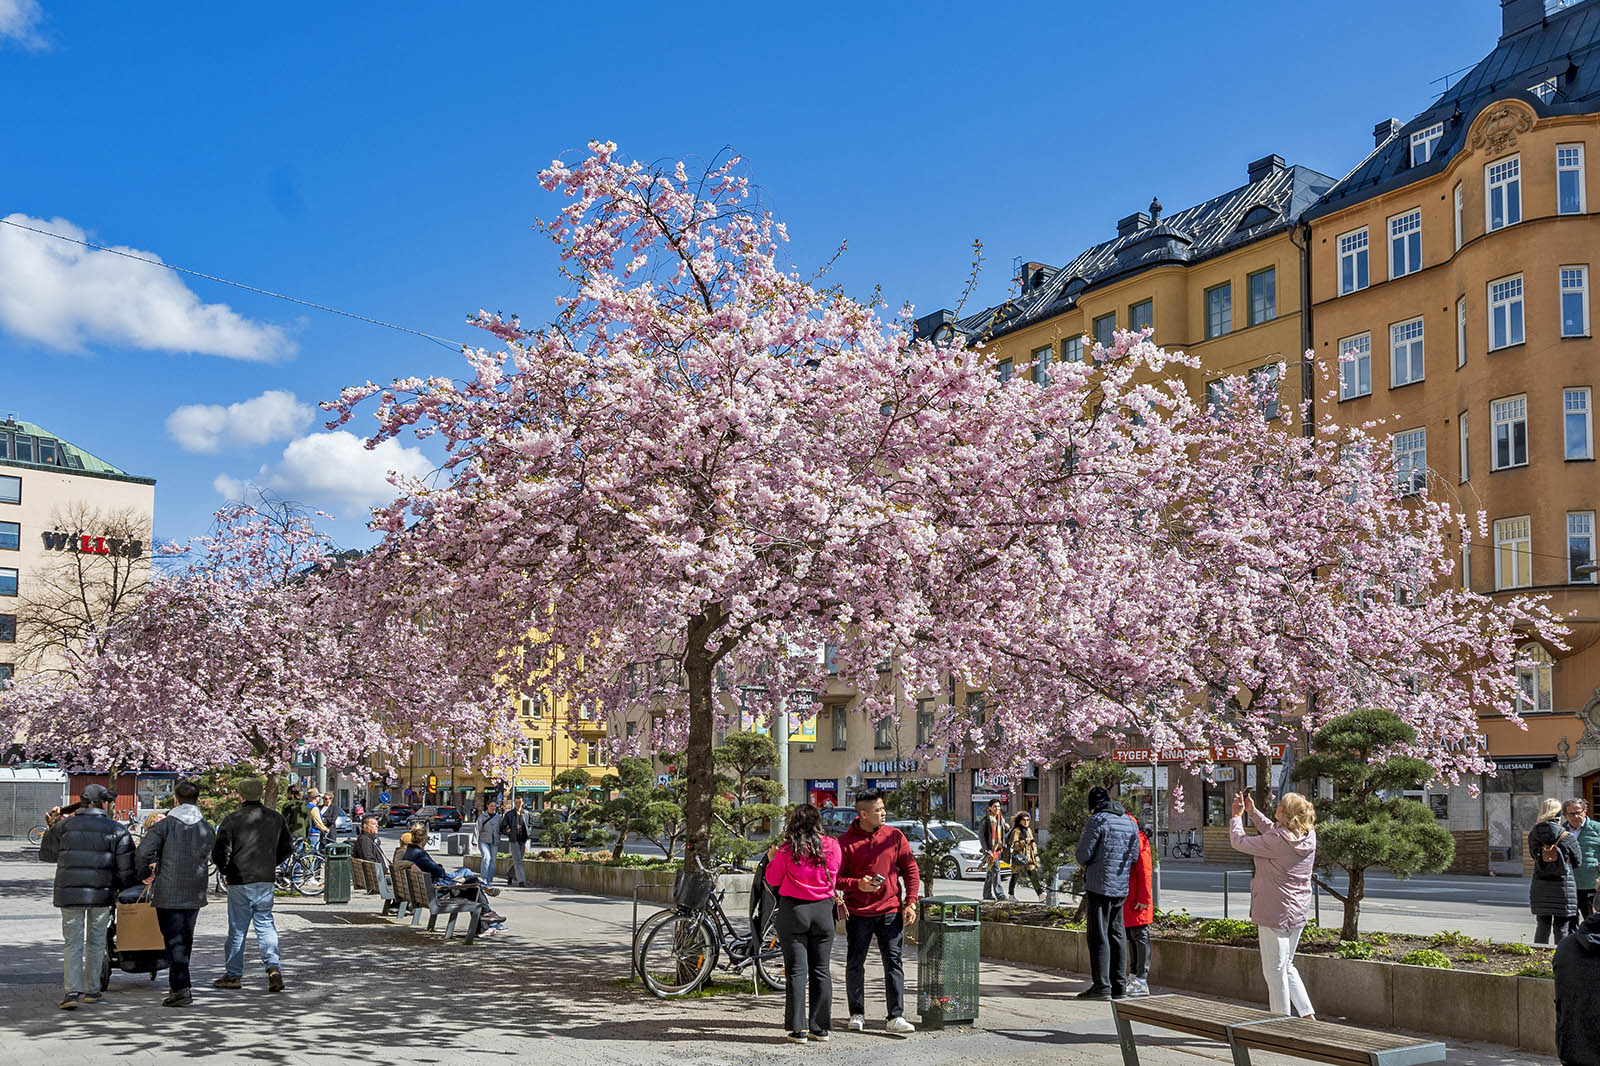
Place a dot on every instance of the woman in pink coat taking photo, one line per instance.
(1280, 891)
(804, 871)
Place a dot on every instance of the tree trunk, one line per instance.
(1263, 789)
(622, 838)
(1352, 905)
(700, 779)
(269, 793)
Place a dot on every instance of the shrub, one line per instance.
(1354, 949)
(1379, 939)
(1425, 957)
(1452, 938)
(1518, 948)
(1177, 917)
(1473, 956)
(1225, 929)
(1316, 934)
(1536, 969)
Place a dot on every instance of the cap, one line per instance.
(96, 794)
(251, 788)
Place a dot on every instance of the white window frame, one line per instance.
(1461, 331)
(1464, 432)
(1513, 547)
(1508, 412)
(1580, 526)
(1503, 176)
(1408, 447)
(1544, 89)
(1460, 215)
(1577, 402)
(1574, 278)
(1428, 141)
(1360, 346)
(1354, 246)
(1406, 343)
(1571, 164)
(1405, 238)
(1466, 566)
(1537, 679)
(1510, 299)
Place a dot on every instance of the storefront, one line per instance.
(885, 775)
(532, 790)
(822, 791)
(1530, 764)
(1178, 791)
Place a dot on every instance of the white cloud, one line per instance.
(332, 469)
(65, 296)
(210, 427)
(19, 21)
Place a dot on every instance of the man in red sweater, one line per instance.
(877, 860)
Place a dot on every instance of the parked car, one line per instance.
(390, 815)
(443, 819)
(965, 858)
(836, 820)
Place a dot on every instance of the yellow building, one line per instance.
(554, 741)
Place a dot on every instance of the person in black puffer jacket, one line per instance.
(177, 849)
(1553, 889)
(93, 854)
(1577, 967)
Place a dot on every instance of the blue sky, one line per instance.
(383, 159)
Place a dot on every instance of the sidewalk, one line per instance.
(366, 989)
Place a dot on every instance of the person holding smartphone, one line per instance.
(876, 861)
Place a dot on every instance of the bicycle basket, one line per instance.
(692, 891)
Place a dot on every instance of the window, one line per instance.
(48, 452)
(1466, 436)
(1513, 553)
(1218, 397)
(8, 581)
(632, 729)
(883, 735)
(1577, 424)
(1072, 350)
(1459, 214)
(593, 753)
(924, 721)
(10, 489)
(7, 672)
(8, 629)
(1544, 90)
(1502, 201)
(1534, 687)
(531, 753)
(1466, 566)
(1411, 460)
(1505, 312)
(10, 536)
(1405, 353)
(1425, 142)
(24, 447)
(1580, 546)
(1510, 418)
(533, 707)
(1003, 368)
(1352, 262)
(1405, 243)
(1574, 301)
(1263, 286)
(838, 729)
(1355, 366)
(1569, 179)
(1264, 385)
(1041, 375)
(1105, 328)
(1142, 315)
(1461, 332)
(1219, 310)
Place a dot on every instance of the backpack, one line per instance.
(1551, 865)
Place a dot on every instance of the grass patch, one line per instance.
(1518, 948)
(1536, 969)
(1225, 929)
(711, 988)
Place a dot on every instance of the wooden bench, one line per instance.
(1246, 1028)
(374, 880)
(425, 897)
(404, 904)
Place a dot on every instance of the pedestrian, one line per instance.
(488, 841)
(317, 810)
(875, 862)
(369, 848)
(1138, 911)
(296, 815)
(1588, 832)
(93, 853)
(251, 843)
(804, 871)
(1280, 892)
(1553, 891)
(1106, 852)
(993, 833)
(1024, 848)
(514, 827)
(172, 858)
(1577, 984)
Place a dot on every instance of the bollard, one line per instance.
(1225, 893)
(1316, 902)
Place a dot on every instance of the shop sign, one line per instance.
(990, 781)
(1439, 803)
(1477, 743)
(58, 541)
(883, 784)
(535, 784)
(888, 766)
(433, 783)
(1228, 753)
(1526, 762)
(663, 780)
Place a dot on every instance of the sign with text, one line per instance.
(86, 544)
(1229, 753)
(888, 766)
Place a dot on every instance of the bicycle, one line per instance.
(36, 835)
(675, 950)
(307, 869)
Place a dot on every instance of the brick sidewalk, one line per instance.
(364, 989)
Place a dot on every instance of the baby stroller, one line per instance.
(150, 962)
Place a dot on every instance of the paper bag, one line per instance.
(137, 928)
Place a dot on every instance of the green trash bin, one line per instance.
(947, 962)
(336, 875)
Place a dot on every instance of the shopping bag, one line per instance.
(137, 927)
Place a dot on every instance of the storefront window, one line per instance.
(1514, 781)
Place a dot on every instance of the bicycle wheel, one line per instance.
(643, 931)
(677, 956)
(307, 875)
(36, 835)
(769, 959)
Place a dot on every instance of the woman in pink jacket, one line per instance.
(1280, 892)
(804, 871)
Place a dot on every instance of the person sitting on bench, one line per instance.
(463, 884)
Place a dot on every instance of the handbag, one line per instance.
(137, 927)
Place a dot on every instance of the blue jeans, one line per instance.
(250, 905)
(84, 930)
(486, 850)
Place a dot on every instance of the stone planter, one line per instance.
(654, 886)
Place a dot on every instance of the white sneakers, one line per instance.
(858, 1023)
(899, 1027)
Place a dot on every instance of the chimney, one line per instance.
(1384, 130)
(1132, 224)
(1519, 15)
(1031, 275)
(927, 324)
(1267, 166)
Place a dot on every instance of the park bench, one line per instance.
(425, 897)
(371, 878)
(404, 904)
(1246, 1028)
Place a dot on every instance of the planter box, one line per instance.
(654, 886)
(1499, 1008)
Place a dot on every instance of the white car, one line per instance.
(964, 860)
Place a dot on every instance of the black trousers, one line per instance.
(1107, 943)
(177, 927)
(889, 930)
(1563, 926)
(806, 929)
(1139, 951)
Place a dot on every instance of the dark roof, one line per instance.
(1270, 203)
(1563, 46)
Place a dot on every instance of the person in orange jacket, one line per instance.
(1138, 911)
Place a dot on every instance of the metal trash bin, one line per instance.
(457, 843)
(947, 961)
(336, 875)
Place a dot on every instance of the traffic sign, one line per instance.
(383, 797)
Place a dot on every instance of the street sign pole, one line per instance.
(780, 734)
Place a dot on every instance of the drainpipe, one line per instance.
(1308, 375)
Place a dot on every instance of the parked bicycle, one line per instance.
(36, 835)
(675, 950)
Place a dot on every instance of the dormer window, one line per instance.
(1544, 90)
(1425, 142)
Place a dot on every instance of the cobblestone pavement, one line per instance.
(369, 990)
